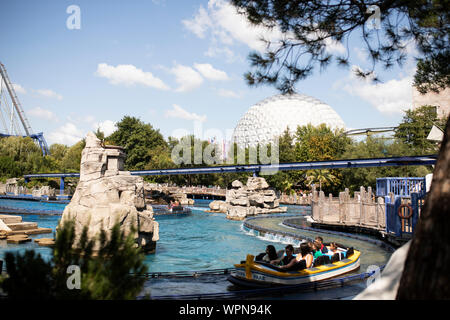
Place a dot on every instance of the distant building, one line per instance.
(269, 118)
(441, 101)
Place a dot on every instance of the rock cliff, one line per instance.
(106, 195)
(247, 200)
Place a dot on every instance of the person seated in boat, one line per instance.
(269, 255)
(323, 248)
(170, 206)
(304, 255)
(311, 246)
(333, 248)
(334, 253)
(317, 249)
(286, 258)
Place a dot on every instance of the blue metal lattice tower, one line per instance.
(12, 116)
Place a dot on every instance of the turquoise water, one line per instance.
(24, 205)
(198, 241)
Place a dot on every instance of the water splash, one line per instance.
(277, 238)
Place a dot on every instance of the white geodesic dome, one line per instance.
(270, 117)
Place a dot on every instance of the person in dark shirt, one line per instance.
(303, 260)
(269, 255)
(322, 248)
(289, 251)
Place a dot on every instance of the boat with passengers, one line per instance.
(251, 273)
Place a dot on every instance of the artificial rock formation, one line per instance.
(247, 200)
(106, 195)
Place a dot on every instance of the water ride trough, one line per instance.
(251, 273)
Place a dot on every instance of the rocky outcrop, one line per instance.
(158, 194)
(219, 206)
(181, 198)
(43, 191)
(247, 200)
(106, 195)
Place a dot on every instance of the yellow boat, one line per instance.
(252, 273)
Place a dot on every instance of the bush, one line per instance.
(111, 272)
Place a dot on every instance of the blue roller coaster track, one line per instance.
(266, 168)
(13, 117)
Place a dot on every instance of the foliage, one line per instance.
(146, 149)
(137, 138)
(72, 158)
(105, 274)
(20, 155)
(415, 127)
(319, 143)
(308, 27)
(309, 143)
(433, 74)
(29, 276)
(321, 177)
(372, 147)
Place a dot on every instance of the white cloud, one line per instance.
(199, 24)
(390, 97)
(129, 75)
(186, 77)
(226, 26)
(107, 127)
(209, 72)
(48, 93)
(228, 93)
(67, 134)
(179, 112)
(334, 46)
(39, 112)
(230, 56)
(18, 88)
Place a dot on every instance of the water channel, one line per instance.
(206, 241)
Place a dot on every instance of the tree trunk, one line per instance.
(427, 268)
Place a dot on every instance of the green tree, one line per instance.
(319, 143)
(26, 155)
(373, 147)
(138, 138)
(310, 26)
(433, 74)
(321, 177)
(72, 158)
(113, 272)
(415, 127)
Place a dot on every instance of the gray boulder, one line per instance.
(106, 195)
(253, 198)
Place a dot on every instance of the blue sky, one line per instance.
(166, 62)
